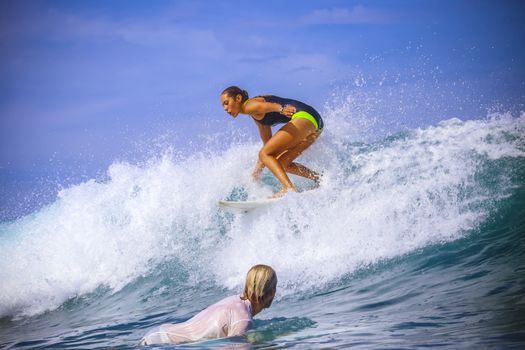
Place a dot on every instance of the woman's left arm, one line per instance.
(260, 108)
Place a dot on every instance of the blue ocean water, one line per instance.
(414, 240)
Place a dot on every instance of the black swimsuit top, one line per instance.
(273, 118)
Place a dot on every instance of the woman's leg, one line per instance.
(301, 170)
(286, 139)
(287, 159)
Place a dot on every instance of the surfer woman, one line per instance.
(303, 125)
(229, 317)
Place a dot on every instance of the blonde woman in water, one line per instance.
(232, 316)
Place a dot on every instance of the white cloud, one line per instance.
(159, 32)
(357, 15)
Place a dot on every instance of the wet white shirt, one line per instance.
(229, 317)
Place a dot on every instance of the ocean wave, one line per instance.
(377, 201)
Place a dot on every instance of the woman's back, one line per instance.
(228, 317)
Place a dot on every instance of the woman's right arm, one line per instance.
(265, 132)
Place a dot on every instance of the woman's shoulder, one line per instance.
(257, 98)
(235, 302)
(267, 97)
(229, 300)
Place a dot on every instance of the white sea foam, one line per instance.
(376, 202)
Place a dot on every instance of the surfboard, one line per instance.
(245, 206)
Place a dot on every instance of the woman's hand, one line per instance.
(256, 174)
(288, 110)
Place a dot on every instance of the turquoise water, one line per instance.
(412, 241)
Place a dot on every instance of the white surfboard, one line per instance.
(245, 206)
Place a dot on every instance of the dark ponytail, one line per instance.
(233, 91)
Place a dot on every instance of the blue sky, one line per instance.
(83, 83)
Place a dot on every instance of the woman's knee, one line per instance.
(285, 162)
(263, 154)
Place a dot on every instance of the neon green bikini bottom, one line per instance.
(307, 116)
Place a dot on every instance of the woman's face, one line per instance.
(232, 105)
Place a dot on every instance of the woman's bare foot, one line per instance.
(317, 179)
(283, 192)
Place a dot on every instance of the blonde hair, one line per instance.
(261, 280)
